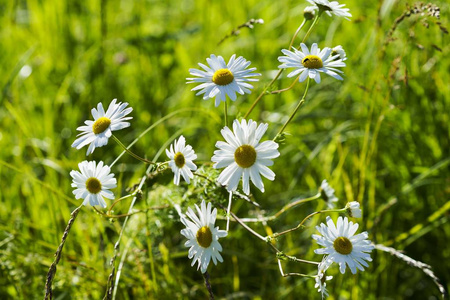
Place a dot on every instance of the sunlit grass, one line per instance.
(381, 138)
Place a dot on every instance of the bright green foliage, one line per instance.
(380, 137)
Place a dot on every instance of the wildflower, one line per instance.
(93, 183)
(244, 156)
(311, 63)
(221, 79)
(97, 132)
(321, 278)
(353, 209)
(327, 193)
(181, 157)
(342, 246)
(332, 7)
(338, 50)
(202, 236)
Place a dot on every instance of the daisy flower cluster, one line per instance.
(245, 155)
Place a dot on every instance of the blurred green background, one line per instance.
(380, 137)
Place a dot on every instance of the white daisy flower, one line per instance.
(353, 209)
(93, 183)
(181, 157)
(244, 156)
(321, 278)
(340, 51)
(327, 193)
(342, 246)
(97, 132)
(202, 236)
(332, 7)
(221, 79)
(311, 63)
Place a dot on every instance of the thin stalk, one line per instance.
(277, 234)
(296, 33)
(291, 274)
(225, 112)
(286, 89)
(208, 285)
(316, 19)
(118, 200)
(132, 153)
(300, 103)
(281, 211)
(52, 271)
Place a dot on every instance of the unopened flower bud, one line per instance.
(309, 12)
(353, 209)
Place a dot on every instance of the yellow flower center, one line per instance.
(179, 159)
(204, 237)
(343, 245)
(93, 185)
(101, 125)
(245, 156)
(223, 77)
(312, 62)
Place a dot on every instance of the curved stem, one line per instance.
(225, 112)
(118, 200)
(286, 89)
(277, 234)
(316, 20)
(296, 33)
(132, 153)
(281, 211)
(300, 103)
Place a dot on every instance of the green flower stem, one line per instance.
(286, 89)
(132, 153)
(281, 211)
(316, 20)
(300, 103)
(293, 274)
(296, 33)
(225, 112)
(277, 234)
(281, 70)
(120, 199)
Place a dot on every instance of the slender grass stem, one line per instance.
(208, 285)
(300, 103)
(52, 271)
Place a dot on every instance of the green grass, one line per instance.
(380, 137)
